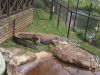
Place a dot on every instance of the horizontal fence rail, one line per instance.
(8, 7)
(68, 14)
(75, 12)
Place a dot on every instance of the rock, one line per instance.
(95, 61)
(75, 55)
(43, 55)
(21, 70)
(15, 57)
(2, 64)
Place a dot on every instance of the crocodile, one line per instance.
(38, 39)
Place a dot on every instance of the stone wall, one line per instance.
(20, 20)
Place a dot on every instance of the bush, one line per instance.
(39, 4)
(96, 41)
(80, 33)
(92, 38)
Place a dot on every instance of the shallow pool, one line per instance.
(52, 66)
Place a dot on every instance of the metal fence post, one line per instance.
(45, 4)
(59, 16)
(68, 3)
(14, 27)
(76, 14)
(69, 24)
(66, 16)
(0, 9)
(8, 6)
(35, 10)
(88, 19)
(67, 12)
(51, 10)
(56, 6)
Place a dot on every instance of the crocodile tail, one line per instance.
(25, 43)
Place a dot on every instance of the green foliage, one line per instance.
(86, 6)
(83, 4)
(80, 33)
(93, 39)
(96, 41)
(67, 0)
(39, 4)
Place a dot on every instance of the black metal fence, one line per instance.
(8, 7)
(75, 19)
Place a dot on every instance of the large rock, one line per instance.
(21, 70)
(76, 55)
(43, 55)
(15, 57)
(2, 64)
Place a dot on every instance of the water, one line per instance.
(53, 66)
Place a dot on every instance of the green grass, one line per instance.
(50, 27)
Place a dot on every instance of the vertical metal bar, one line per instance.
(23, 4)
(69, 24)
(68, 3)
(8, 7)
(17, 5)
(76, 14)
(45, 4)
(67, 12)
(33, 3)
(56, 6)
(0, 8)
(88, 19)
(14, 27)
(66, 16)
(35, 10)
(51, 10)
(59, 16)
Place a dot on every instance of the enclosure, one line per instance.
(52, 18)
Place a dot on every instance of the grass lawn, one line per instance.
(42, 24)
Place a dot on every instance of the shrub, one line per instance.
(39, 4)
(80, 33)
(92, 38)
(96, 41)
